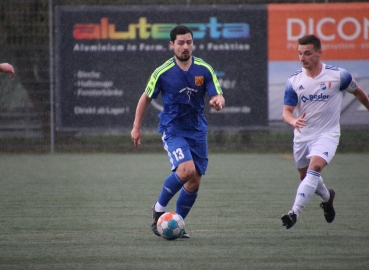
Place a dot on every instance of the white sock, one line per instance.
(305, 191)
(159, 207)
(322, 191)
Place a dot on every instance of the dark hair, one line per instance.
(179, 30)
(311, 39)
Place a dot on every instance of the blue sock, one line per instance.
(170, 187)
(185, 202)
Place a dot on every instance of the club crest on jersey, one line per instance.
(199, 80)
(325, 86)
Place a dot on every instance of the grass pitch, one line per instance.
(93, 211)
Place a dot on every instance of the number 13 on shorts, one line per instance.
(178, 149)
(178, 154)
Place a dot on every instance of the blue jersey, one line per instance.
(183, 96)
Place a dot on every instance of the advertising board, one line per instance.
(105, 56)
(343, 29)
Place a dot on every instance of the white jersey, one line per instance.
(320, 98)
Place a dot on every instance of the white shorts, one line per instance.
(321, 147)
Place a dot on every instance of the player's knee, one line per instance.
(186, 174)
(316, 168)
(193, 184)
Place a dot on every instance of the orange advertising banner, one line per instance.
(342, 28)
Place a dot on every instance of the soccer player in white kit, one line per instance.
(312, 104)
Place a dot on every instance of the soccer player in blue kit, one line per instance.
(183, 82)
(312, 104)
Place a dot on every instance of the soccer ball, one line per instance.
(170, 225)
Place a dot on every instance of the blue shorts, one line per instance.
(181, 149)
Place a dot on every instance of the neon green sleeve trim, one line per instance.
(150, 87)
(201, 62)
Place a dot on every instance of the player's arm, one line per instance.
(361, 96)
(217, 102)
(290, 119)
(290, 102)
(350, 85)
(7, 68)
(141, 110)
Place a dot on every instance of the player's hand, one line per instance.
(217, 102)
(7, 68)
(136, 134)
(300, 123)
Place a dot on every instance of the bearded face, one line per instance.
(182, 47)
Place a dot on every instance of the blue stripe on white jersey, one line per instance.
(346, 79)
(290, 96)
(296, 73)
(331, 67)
